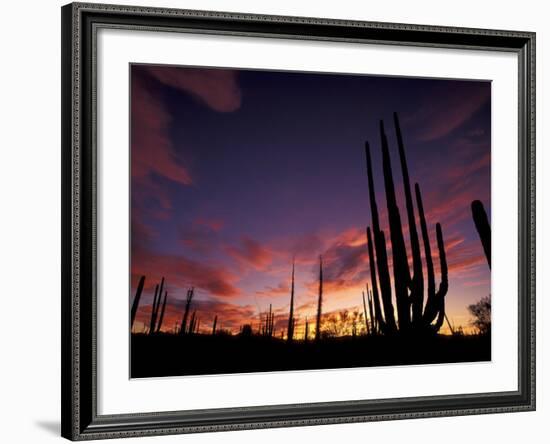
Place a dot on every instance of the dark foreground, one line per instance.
(171, 355)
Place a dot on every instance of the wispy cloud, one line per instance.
(182, 272)
(152, 148)
(217, 88)
(282, 288)
(446, 110)
(250, 252)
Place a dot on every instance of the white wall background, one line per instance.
(30, 222)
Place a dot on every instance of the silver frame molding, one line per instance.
(80, 420)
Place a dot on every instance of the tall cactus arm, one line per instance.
(385, 289)
(401, 272)
(156, 307)
(373, 321)
(373, 278)
(153, 321)
(184, 329)
(483, 228)
(162, 311)
(381, 263)
(417, 283)
(290, 329)
(444, 285)
(430, 310)
(319, 302)
(135, 304)
(377, 306)
(372, 191)
(367, 326)
(214, 325)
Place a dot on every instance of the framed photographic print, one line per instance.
(279, 221)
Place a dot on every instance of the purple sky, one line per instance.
(234, 172)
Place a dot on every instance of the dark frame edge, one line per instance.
(67, 325)
(79, 420)
(527, 218)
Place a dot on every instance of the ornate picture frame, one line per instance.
(80, 176)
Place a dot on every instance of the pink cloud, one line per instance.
(218, 89)
(202, 235)
(152, 149)
(282, 288)
(182, 272)
(251, 252)
(212, 224)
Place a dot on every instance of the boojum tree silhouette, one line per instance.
(291, 320)
(413, 314)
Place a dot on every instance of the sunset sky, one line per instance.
(235, 172)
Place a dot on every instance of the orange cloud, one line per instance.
(230, 316)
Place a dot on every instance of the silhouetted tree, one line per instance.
(355, 318)
(246, 331)
(481, 311)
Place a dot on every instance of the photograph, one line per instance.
(293, 220)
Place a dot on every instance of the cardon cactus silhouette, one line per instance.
(193, 322)
(483, 228)
(159, 324)
(184, 329)
(135, 304)
(270, 323)
(367, 326)
(214, 325)
(155, 308)
(319, 302)
(373, 324)
(153, 311)
(267, 322)
(408, 285)
(290, 329)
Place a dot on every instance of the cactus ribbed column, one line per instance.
(409, 291)
(381, 263)
(417, 284)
